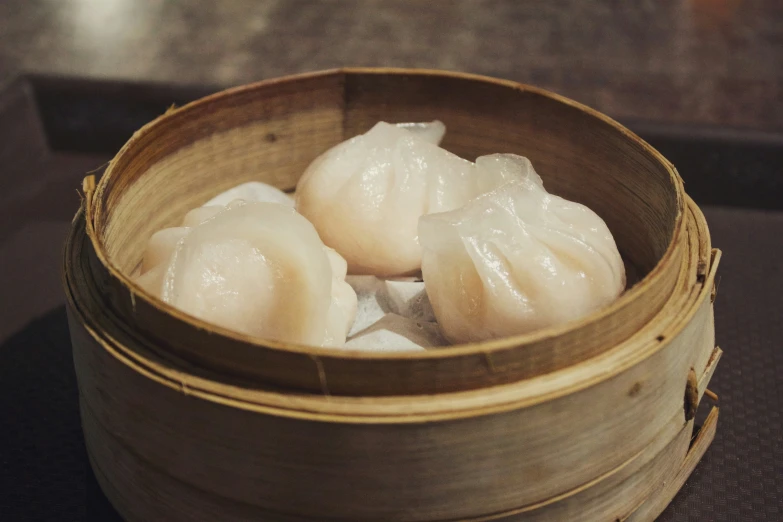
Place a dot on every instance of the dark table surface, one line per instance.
(691, 61)
(704, 65)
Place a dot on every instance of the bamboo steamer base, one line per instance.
(637, 489)
(637, 493)
(588, 421)
(675, 478)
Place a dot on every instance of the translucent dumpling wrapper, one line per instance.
(365, 195)
(255, 268)
(516, 259)
(252, 191)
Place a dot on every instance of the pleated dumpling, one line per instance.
(255, 268)
(365, 195)
(517, 258)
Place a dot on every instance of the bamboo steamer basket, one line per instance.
(587, 421)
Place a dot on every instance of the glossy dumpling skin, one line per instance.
(252, 191)
(255, 268)
(516, 259)
(365, 195)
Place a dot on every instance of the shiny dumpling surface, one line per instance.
(516, 258)
(255, 268)
(252, 191)
(365, 195)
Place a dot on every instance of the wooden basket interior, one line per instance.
(190, 155)
(271, 132)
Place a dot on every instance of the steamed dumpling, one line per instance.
(365, 195)
(342, 311)
(252, 191)
(162, 243)
(516, 259)
(256, 268)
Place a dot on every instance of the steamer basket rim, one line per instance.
(168, 377)
(95, 216)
